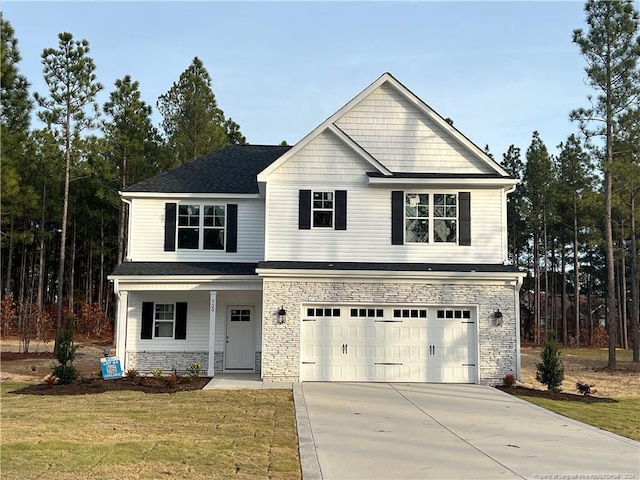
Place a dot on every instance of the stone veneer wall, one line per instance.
(281, 342)
(146, 361)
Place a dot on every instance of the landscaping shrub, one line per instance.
(66, 353)
(550, 371)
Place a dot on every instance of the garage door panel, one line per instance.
(418, 348)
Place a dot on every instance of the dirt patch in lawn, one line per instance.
(20, 367)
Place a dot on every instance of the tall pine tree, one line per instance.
(611, 48)
(192, 122)
(69, 75)
(132, 143)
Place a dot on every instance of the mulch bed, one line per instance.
(571, 397)
(87, 386)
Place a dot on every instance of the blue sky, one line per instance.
(500, 70)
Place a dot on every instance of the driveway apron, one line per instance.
(431, 431)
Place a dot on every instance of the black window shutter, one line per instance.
(304, 210)
(181, 321)
(397, 217)
(170, 227)
(341, 209)
(464, 204)
(146, 332)
(232, 228)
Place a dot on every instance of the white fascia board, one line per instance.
(342, 275)
(447, 182)
(152, 195)
(436, 117)
(262, 176)
(359, 150)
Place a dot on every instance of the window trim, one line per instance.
(156, 321)
(202, 227)
(315, 209)
(431, 219)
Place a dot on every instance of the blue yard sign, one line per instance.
(111, 368)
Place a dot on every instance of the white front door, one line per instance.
(240, 345)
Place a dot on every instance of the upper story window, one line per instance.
(201, 227)
(322, 208)
(431, 217)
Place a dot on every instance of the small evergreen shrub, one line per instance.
(550, 371)
(157, 372)
(66, 353)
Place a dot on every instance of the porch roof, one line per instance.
(184, 268)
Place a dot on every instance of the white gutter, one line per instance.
(181, 278)
(189, 195)
(387, 274)
(472, 182)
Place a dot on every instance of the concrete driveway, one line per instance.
(428, 431)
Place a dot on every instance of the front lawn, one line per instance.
(124, 434)
(622, 417)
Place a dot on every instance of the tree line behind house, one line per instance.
(572, 220)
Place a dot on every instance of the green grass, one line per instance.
(600, 354)
(622, 418)
(246, 434)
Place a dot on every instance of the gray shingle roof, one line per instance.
(184, 268)
(391, 267)
(232, 169)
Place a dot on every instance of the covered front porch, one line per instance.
(171, 322)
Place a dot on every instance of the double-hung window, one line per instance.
(431, 217)
(322, 209)
(201, 227)
(163, 320)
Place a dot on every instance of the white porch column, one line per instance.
(121, 327)
(212, 332)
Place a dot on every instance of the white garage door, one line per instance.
(388, 344)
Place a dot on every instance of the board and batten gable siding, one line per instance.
(367, 237)
(147, 234)
(404, 139)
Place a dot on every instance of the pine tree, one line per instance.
(17, 198)
(132, 143)
(69, 74)
(550, 371)
(192, 122)
(575, 183)
(611, 48)
(538, 176)
(516, 224)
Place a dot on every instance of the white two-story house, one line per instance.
(375, 249)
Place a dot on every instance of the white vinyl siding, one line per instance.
(368, 234)
(403, 139)
(325, 158)
(197, 319)
(147, 232)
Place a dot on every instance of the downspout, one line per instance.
(127, 257)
